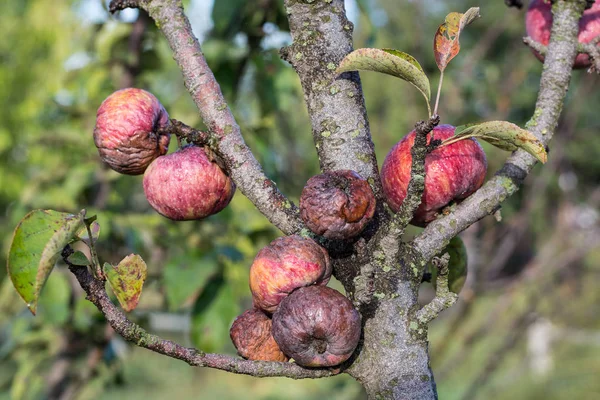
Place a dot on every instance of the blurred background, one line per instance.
(527, 324)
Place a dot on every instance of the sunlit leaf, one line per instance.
(391, 62)
(36, 245)
(445, 44)
(127, 280)
(504, 135)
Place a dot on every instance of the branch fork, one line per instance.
(444, 298)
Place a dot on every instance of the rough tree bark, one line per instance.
(381, 274)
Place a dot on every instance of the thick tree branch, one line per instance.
(322, 37)
(242, 166)
(554, 84)
(132, 332)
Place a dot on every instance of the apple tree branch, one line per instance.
(229, 144)
(554, 84)
(130, 331)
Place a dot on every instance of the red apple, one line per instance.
(538, 21)
(187, 185)
(287, 263)
(452, 173)
(126, 130)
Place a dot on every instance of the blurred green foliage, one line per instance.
(61, 59)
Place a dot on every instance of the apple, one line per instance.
(538, 22)
(317, 326)
(187, 185)
(452, 173)
(252, 338)
(126, 130)
(286, 264)
(337, 204)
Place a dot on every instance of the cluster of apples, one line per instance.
(294, 314)
(184, 185)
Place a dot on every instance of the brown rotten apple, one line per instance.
(316, 326)
(126, 130)
(452, 173)
(187, 185)
(538, 22)
(337, 205)
(285, 264)
(251, 336)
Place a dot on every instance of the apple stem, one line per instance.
(437, 98)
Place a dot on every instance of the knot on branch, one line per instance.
(118, 5)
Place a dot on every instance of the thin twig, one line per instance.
(537, 46)
(387, 247)
(118, 5)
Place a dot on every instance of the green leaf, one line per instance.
(391, 62)
(78, 258)
(126, 280)
(213, 313)
(185, 276)
(504, 135)
(36, 245)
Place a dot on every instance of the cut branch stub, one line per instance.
(126, 280)
(391, 62)
(504, 135)
(445, 44)
(36, 245)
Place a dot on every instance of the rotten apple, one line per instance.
(251, 336)
(126, 132)
(317, 326)
(337, 204)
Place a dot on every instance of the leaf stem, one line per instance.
(95, 261)
(437, 97)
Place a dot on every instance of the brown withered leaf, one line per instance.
(445, 44)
